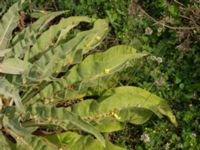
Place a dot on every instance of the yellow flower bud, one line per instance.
(87, 46)
(106, 71)
(35, 117)
(98, 37)
(49, 119)
(117, 117)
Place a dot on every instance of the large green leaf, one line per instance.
(74, 141)
(45, 114)
(125, 104)
(97, 71)
(8, 23)
(101, 64)
(111, 120)
(130, 97)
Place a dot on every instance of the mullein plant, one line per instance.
(56, 94)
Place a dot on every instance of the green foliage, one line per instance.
(51, 83)
(8, 23)
(172, 72)
(116, 11)
(23, 40)
(76, 142)
(9, 91)
(4, 5)
(170, 31)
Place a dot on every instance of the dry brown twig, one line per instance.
(135, 7)
(165, 25)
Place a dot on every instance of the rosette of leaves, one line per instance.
(56, 94)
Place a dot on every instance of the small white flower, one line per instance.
(153, 57)
(160, 29)
(167, 146)
(159, 82)
(148, 31)
(145, 137)
(194, 135)
(159, 60)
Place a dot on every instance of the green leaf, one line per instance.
(45, 41)
(8, 23)
(9, 91)
(68, 53)
(14, 124)
(4, 52)
(28, 36)
(108, 125)
(89, 73)
(33, 143)
(135, 115)
(74, 141)
(125, 104)
(97, 70)
(3, 142)
(39, 14)
(61, 116)
(101, 64)
(110, 121)
(14, 66)
(3, 7)
(130, 97)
